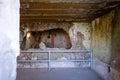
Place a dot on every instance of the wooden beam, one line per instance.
(59, 17)
(52, 15)
(55, 20)
(57, 1)
(69, 1)
(68, 12)
(72, 17)
(55, 11)
(47, 17)
(39, 5)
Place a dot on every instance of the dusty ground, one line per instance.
(56, 74)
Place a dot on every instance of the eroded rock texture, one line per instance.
(56, 36)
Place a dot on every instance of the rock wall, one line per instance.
(9, 38)
(116, 40)
(116, 45)
(101, 37)
(84, 31)
(106, 46)
(101, 44)
(42, 26)
(106, 71)
(79, 33)
(77, 36)
(54, 38)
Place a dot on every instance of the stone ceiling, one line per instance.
(65, 10)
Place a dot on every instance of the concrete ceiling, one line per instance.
(65, 10)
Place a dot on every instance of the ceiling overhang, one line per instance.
(64, 10)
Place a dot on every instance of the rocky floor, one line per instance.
(56, 74)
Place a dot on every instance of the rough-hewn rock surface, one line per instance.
(105, 44)
(72, 35)
(61, 36)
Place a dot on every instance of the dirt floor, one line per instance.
(56, 74)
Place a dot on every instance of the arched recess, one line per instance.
(53, 38)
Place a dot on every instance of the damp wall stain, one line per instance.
(101, 37)
(105, 40)
(116, 40)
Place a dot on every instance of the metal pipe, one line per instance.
(91, 59)
(59, 51)
(49, 61)
(49, 65)
(21, 61)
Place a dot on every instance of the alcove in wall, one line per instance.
(53, 38)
